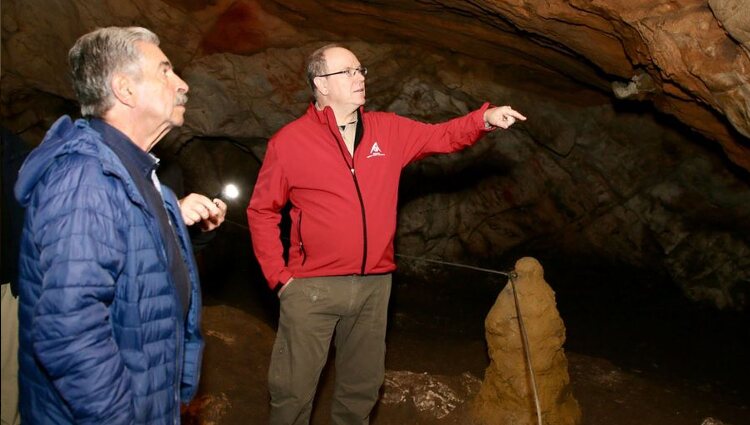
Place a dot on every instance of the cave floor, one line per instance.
(239, 328)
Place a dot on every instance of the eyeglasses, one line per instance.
(350, 72)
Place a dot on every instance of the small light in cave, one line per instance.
(230, 192)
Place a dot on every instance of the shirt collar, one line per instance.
(325, 115)
(124, 148)
(347, 125)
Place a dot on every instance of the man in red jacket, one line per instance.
(339, 167)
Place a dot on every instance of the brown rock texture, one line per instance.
(597, 170)
(695, 52)
(506, 395)
(699, 70)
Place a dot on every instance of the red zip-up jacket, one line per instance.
(343, 209)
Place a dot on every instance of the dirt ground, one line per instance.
(626, 368)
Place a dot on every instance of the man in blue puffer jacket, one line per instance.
(109, 293)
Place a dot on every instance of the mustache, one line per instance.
(181, 99)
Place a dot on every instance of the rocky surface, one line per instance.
(597, 171)
(584, 182)
(432, 396)
(695, 51)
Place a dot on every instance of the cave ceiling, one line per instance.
(689, 58)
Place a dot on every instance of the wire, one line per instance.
(448, 263)
(512, 276)
(526, 349)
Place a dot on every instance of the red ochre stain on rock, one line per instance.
(237, 30)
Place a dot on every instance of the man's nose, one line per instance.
(182, 86)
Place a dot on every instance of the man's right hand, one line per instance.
(283, 286)
(196, 208)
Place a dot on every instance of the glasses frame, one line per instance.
(350, 72)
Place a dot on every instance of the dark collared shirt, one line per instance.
(142, 166)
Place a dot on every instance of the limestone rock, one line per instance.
(585, 174)
(734, 16)
(695, 51)
(506, 395)
(506, 193)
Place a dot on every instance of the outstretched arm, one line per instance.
(422, 139)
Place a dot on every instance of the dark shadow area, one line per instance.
(231, 276)
(427, 177)
(710, 147)
(641, 321)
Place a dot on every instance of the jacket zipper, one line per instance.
(179, 326)
(301, 245)
(364, 220)
(359, 195)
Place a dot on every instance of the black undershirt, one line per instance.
(141, 166)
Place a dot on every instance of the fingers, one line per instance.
(221, 205)
(211, 223)
(503, 116)
(507, 121)
(215, 220)
(283, 286)
(196, 208)
(513, 113)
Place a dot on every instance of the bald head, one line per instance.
(337, 79)
(316, 65)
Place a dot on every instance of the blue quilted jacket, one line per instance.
(101, 334)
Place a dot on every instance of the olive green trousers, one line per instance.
(351, 310)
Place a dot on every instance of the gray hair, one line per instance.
(96, 56)
(316, 65)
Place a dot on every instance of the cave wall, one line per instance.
(598, 170)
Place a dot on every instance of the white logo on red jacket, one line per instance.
(375, 151)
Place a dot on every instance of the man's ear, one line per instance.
(321, 83)
(122, 88)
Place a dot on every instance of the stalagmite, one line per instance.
(506, 395)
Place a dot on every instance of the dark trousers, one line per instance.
(355, 307)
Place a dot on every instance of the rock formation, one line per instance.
(506, 395)
(695, 52)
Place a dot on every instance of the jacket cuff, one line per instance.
(283, 277)
(480, 117)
